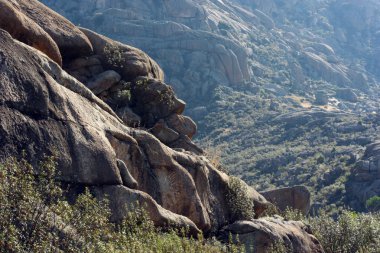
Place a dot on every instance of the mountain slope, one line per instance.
(303, 75)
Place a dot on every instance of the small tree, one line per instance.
(240, 204)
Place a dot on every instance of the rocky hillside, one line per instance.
(103, 110)
(288, 89)
(202, 44)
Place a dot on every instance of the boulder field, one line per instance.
(103, 110)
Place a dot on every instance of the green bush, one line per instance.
(114, 55)
(373, 204)
(35, 217)
(350, 233)
(240, 204)
(293, 214)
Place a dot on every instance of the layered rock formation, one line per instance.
(106, 142)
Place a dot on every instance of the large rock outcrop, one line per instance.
(291, 50)
(46, 111)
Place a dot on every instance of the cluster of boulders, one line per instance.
(103, 110)
(132, 84)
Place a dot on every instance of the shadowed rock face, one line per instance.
(44, 110)
(297, 197)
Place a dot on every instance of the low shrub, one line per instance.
(240, 204)
(350, 233)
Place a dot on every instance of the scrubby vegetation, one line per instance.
(35, 216)
(350, 232)
(239, 201)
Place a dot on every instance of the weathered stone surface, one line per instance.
(27, 31)
(44, 110)
(103, 81)
(259, 235)
(128, 116)
(126, 176)
(85, 68)
(321, 98)
(83, 62)
(297, 197)
(202, 44)
(121, 198)
(208, 179)
(182, 35)
(265, 19)
(182, 124)
(130, 62)
(184, 142)
(70, 40)
(163, 132)
(317, 66)
(51, 125)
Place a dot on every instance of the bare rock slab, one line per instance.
(260, 235)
